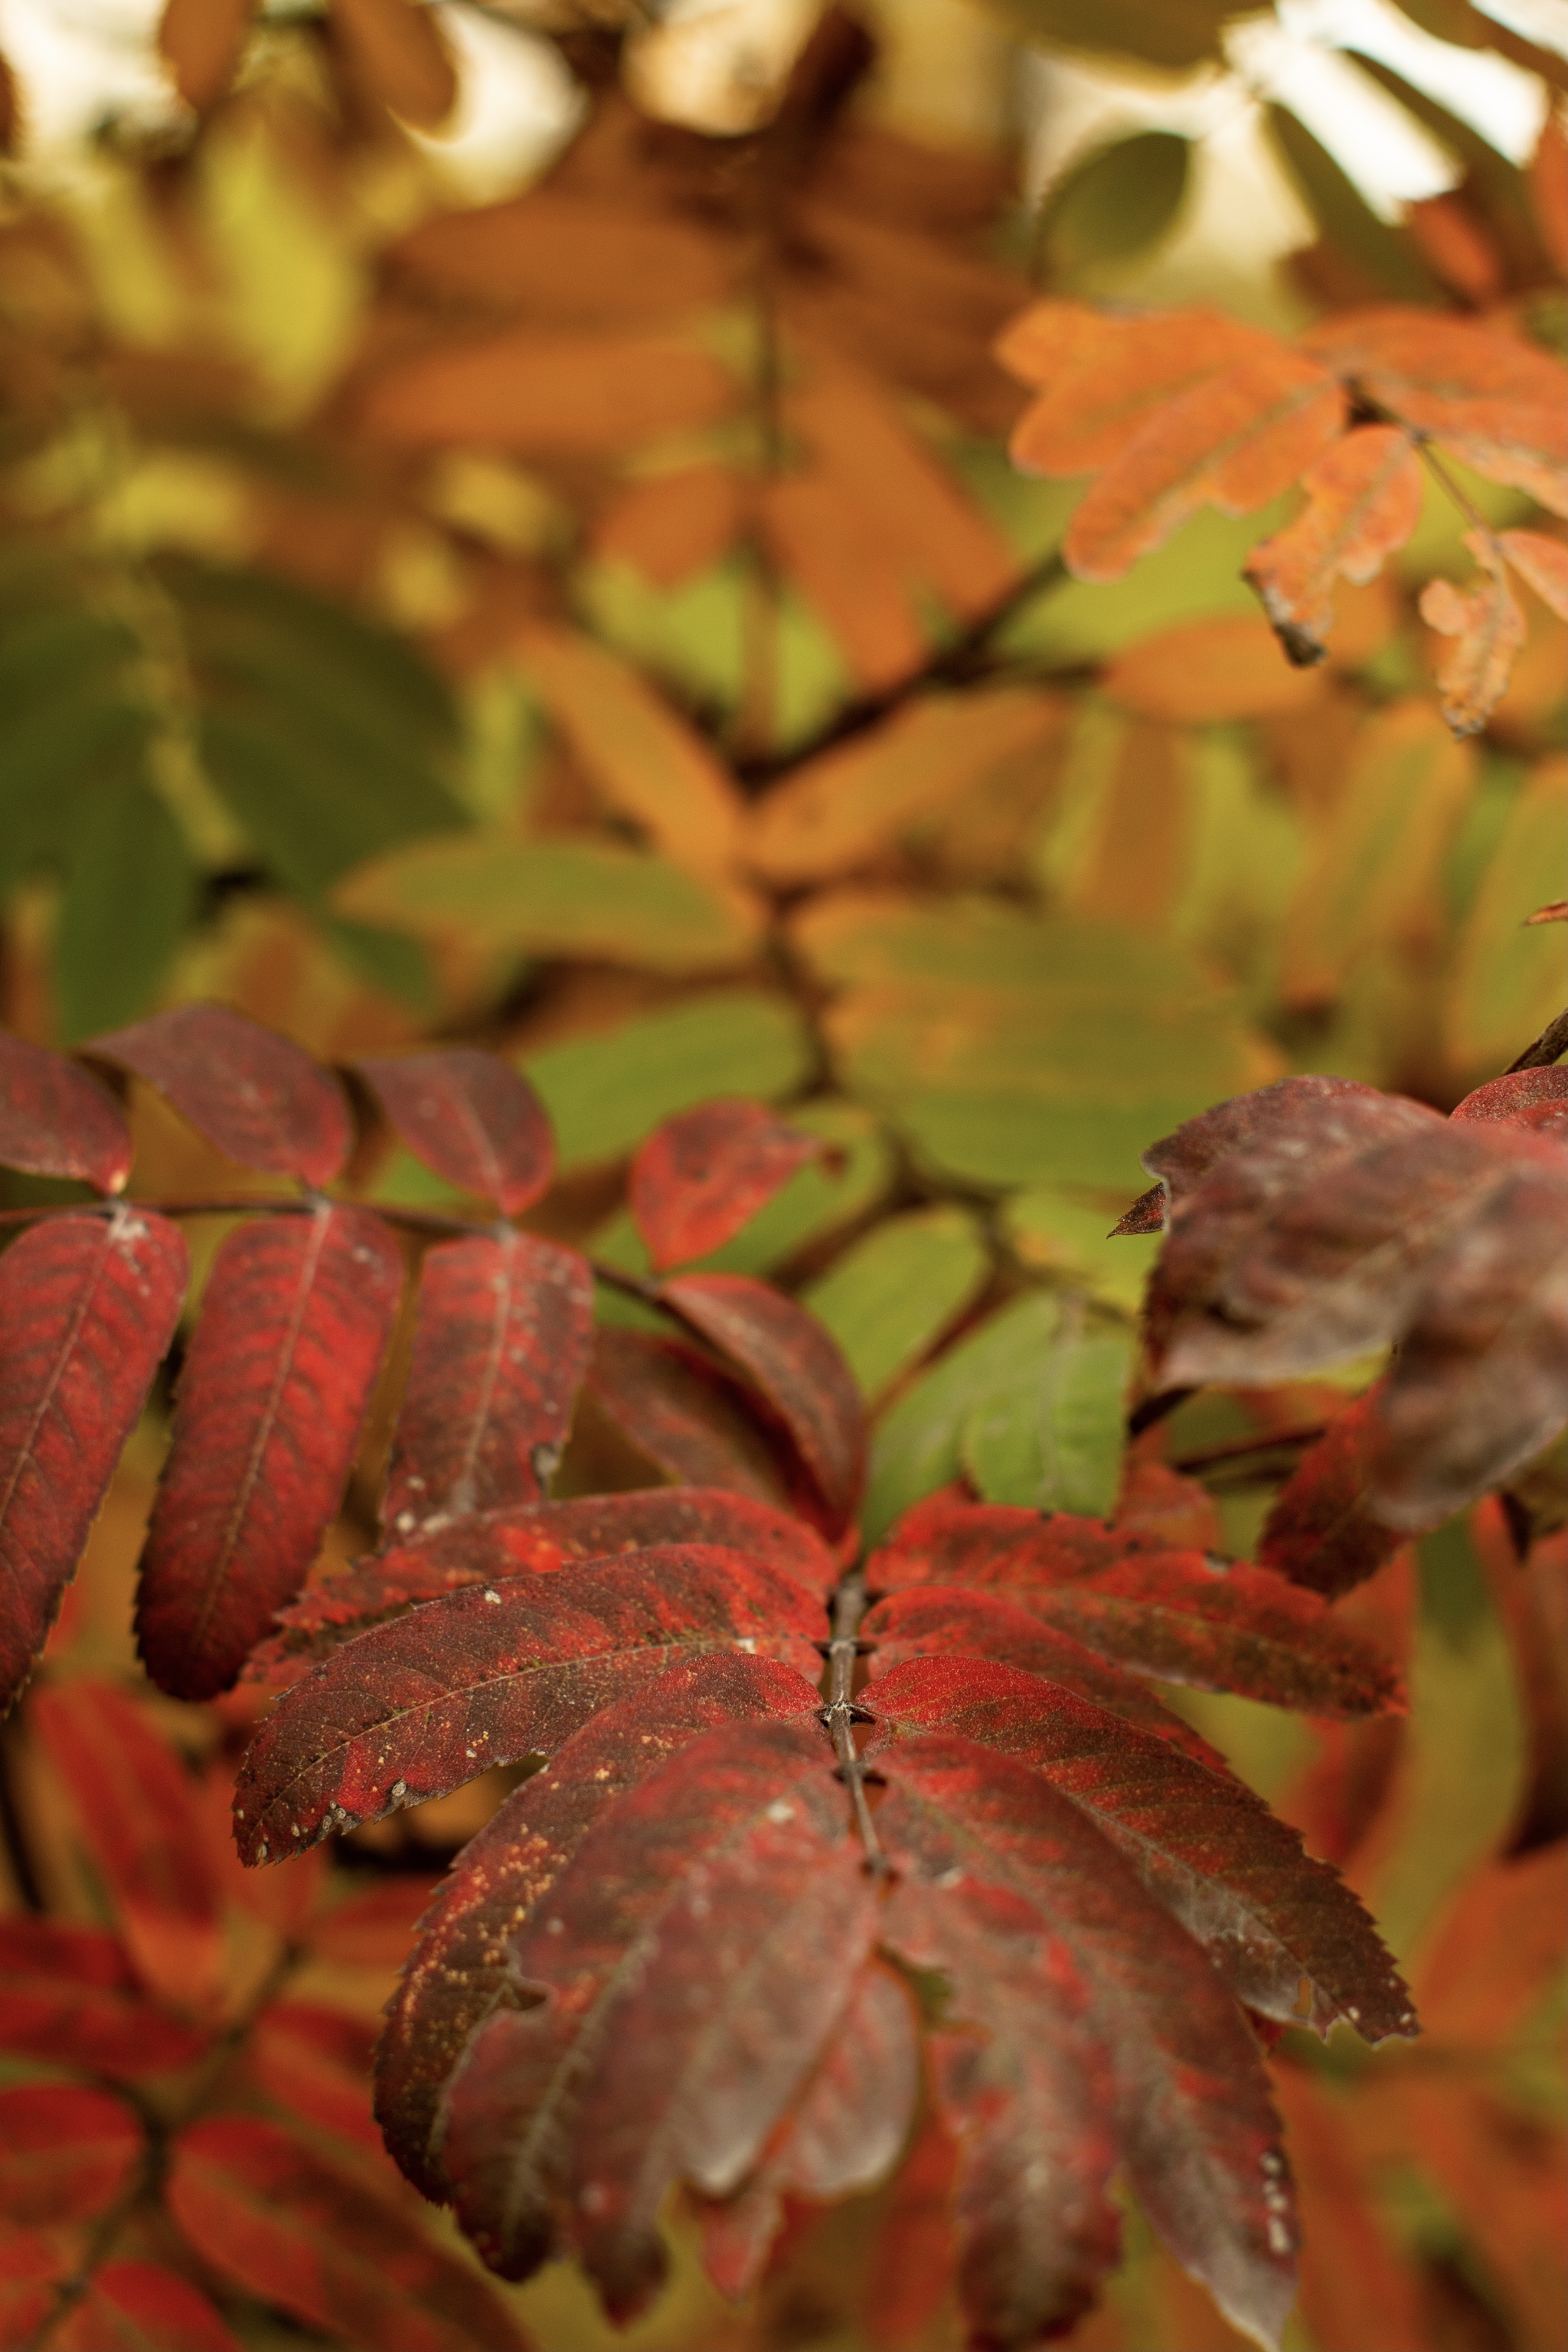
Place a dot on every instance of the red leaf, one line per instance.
(414, 1709)
(373, 1930)
(258, 1097)
(472, 1118)
(1487, 629)
(131, 2306)
(55, 1121)
(1204, 1845)
(66, 2151)
(68, 1998)
(913, 2269)
(1321, 1532)
(693, 1957)
(798, 1368)
(1364, 500)
(87, 1306)
(315, 2063)
(292, 2230)
(687, 1419)
(452, 1978)
(294, 1322)
(1356, 2285)
(138, 1806)
(505, 1328)
(700, 1178)
(34, 2265)
(1536, 1099)
(1193, 2124)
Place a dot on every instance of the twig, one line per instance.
(1240, 1446)
(1549, 1047)
(841, 1715)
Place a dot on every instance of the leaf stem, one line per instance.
(841, 1715)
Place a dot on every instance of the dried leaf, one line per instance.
(1363, 502)
(469, 1116)
(703, 1175)
(256, 1096)
(1488, 627)
(55, 1121)
(66, 2151)
(396, 49)
(202, 41)
(1543, 562)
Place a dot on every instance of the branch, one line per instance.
(841, 1715)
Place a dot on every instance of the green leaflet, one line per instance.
(1117, 201)
(1056, 1234)
(1506, 982)
(605, 1092)
(130, 895)
(891, 1295)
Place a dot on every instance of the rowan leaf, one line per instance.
(822, 539)
(414, 1709)
(1100, 376)
(798, 1369)
(295, 1319)
(1364, 501)
(203, 43)
(1122, 197)
(398, 50)
(256, 1096)
(135, 2307)
(1192, 2117)
(281, 2223)
(670, 527)
(57, 1120)
(314, 2063)
(892, 1294)
(137, 1806)
(500, 1346)
(1320, 1532)
(1543, 562)
(1487, 629)
(1269, 1918)
(66, 2151)
(87, 1306)
(548, 395)
(71, 1998)
(1227, 666)
(701, 1176)
(1528, 1099)
(469, 1116)
(1233, 441)
(33, 2264)
(574, 256)
(1495, 1951)
(684, 1417)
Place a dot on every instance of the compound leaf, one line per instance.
(701, 1176)
(470, 1117)
(57, 1120)
(256, 1096)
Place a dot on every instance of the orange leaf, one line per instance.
(1140, 856)
(1456, 244)
(672, 526)
(201, 42)
(556, 396)
(1355, 2290)
(10, 110)
(1234, 441)
(1230, 666)
(1364, 500)
(1497, 1951)
(830, 547)
(1547, 174)
(397, 51)
(569, 260)
(1543, 562)
(1488, 630)
(1502, 2174)
(1101, 378)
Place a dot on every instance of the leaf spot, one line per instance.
(491, 1595)
(781, 1810)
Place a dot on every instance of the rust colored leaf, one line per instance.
(1234, 442)
(456, 1972)
(1101, 377)
(701, 1177)
(1193, 2122)
(823, 539)
(1487, 629)
(505, 1326)
(1364, 501)
(561, 395)
(66, 2151)
(1543, 562)
(687, 1419)
(315, 2063)
(33, 2265)
(1355, 2283)
(55, 1121)
(750, 1816)
(87, 1306)
(137, 1805)
(201, 42)
(670, 527)
(798, 1368)
(257, 1097)
(469, 1116)
(1497, 1951)
(1226, 667)
(135, 2307)
(1321, 1532)
(1531, 1098)
(397, 51)
(1204, 1845)
(280, 2223)
(294, 1322)
(70, 1998)
(414, 1709)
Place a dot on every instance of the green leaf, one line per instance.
(55, 651)
(1118, 200)
(1162, 32)
(1507, 981)
(605, 1092)
(555, 897)
(1049, 1435)
(891, 1296)
(1386, 257)
(47, 760)
(1057, 1235)
(130, 895)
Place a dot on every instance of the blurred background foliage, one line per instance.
(508, 534)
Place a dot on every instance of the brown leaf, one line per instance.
(670, 527)
(569, 260)
(550, 395)
(1227, 666)
(398, 50)
(202, 41)
(1364, 500)
(1489, 629)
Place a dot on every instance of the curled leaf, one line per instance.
(1487, 629)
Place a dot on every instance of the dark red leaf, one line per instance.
(1147, 1215)
(505, 1328)
(131, 2307)
(1194, 2128)
(1204, 1846)
(690, 1963)
(1321, 1532)
(294, 1322)
(138, 1806)
(946, 1620)
(284, 2225)
(1295, 1116)
(688, 1420)
(258, 1097)
(66, 2151)
(1522, 1099)
(414, 1709)
(797, 1367)
(55, 1121)
(457, 1970)
(87, 1306)
(701, 1177)
(69, 1998)
(472, 1118)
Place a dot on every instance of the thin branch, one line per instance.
(841, 1715)
(1239, 1447)
(1549, 1047)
